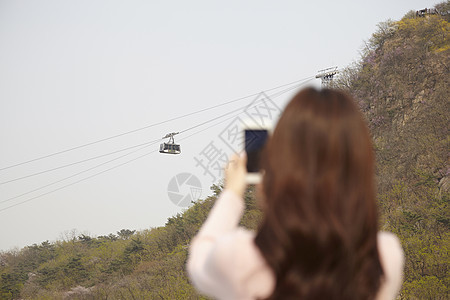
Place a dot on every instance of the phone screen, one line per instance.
(255, 139)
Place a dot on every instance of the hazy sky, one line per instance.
(77, 72)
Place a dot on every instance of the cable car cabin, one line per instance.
(169, 148)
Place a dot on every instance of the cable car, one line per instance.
(170, 147)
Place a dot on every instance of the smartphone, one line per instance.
(255, 138)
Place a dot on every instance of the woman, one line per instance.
(319, 236)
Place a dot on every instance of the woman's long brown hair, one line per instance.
(319, 233)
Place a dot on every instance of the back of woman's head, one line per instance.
(320, 227)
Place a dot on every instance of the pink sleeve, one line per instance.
(392, 260)
(204, 263)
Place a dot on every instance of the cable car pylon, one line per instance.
(327, 76)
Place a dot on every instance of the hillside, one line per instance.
(128, 265)
(402, 85)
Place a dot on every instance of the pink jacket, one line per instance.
(225, 263)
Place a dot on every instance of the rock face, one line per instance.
(402, 85)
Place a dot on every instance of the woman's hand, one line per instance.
(235, 174)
